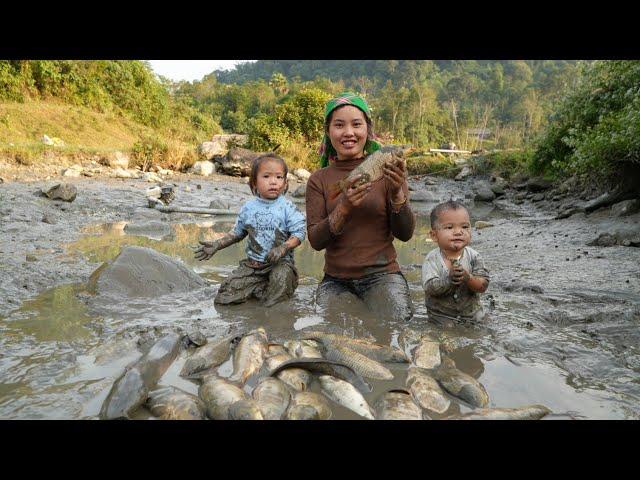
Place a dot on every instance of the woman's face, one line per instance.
(348, 132)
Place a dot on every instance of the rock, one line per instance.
(60, 191)
(480, 225)
(46, 140)
(237, 162)
(430, 181)
(520, 196)
(300, 192)
(537, 197)
(115, 160)
(204, 168)
(460, 162)
(73, 172)
(151, 177)
(220, 144)
(221, 204)
(497, 189)
(628, 207)
(626, 237)
(483, 192)
(122, 173)
(187, 188)
(466, 171)
(302, 174)
(423, 197)
(519, 178)
(165, 172)
(46, 218)
(143, 272)
(538, 184)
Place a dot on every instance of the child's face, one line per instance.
(452, 231)
(271, 180)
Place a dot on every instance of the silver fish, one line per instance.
(397, 405)
(273, 397)
(427, 353)
(528, 412)
(426, 391)
(345, 394)
(208, 356)
(245, 410)
(297, 378)
(308, 406)
(356, 361)
(375, 351)
(461, 385)
(249, 355)
(218, 394)
(171, 403)
(303, 349)
(131, 389)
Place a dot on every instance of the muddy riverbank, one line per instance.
(565, 314)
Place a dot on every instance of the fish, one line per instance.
(249, 355)
(528, 412)
(371, 169)
(326, 367)
(297, 378)
(131, 389)
(461, 385)
(272, 396)
(303, 348)
(345, 394)
(275, 349)
(209, 356)
(308, 406)
(397, 405)
(171, 403)
(218, 394)
(427, 353)
(426, 391)
(375, 351)
(245, 410)
(358, 362)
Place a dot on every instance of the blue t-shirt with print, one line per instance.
(269, 223)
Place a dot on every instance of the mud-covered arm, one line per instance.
(435, 281)
(321, 226)
(402, 219)
(479, 277)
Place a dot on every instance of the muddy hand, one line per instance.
(354, 196)
(458, 275)
(395, 174)
(206, 250)
(276, 253)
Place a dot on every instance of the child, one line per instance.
(274, 227)
(454, 274)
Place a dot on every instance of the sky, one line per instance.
(191, 70)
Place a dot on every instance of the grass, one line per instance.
(432, 164)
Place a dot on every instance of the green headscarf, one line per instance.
(327, 152)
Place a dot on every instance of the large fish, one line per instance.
(427, 353)
(245, 410)
(209, 356)
(131, 389)
(303, 348)
(326, 367)
(171, 403)
(529, 412)
(371, 169)
(272, 396)
(308, 406)
(461, 385)
(345, 394)
(218, 394)
(375, 351)
(249, 355)
(426, 391)
(358, 362)
(397, 405)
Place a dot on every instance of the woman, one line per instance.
(357, 228)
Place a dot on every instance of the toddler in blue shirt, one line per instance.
(274, 227)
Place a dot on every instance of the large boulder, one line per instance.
(626, 237)
(538, 184)
(628, 207)
(60, 191)
(115, 160)
(220, 144)
(302, 174)
(204, 168)
(464, 173)
(423, 197)
(143, 272)
(75, 171)
(237, 162)
(483, 192)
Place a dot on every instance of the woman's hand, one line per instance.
(353, 197)
(395, 175)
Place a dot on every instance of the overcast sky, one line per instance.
(191, 70)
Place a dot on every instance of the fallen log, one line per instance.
(201, 211)
(445, 150)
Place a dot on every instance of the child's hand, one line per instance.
(276, 253)
(459, 275)
(207, 250)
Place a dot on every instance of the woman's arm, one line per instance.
(402, 221)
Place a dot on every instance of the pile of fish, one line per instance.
(278, 376)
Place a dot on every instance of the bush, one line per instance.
(505, 163)
(432, 165)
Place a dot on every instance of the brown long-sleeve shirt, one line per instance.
(365, 245)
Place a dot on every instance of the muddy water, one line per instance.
(573, 350)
